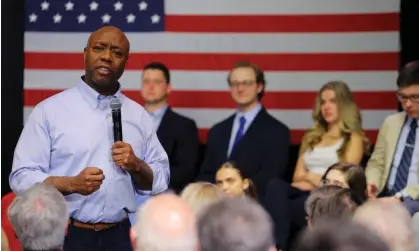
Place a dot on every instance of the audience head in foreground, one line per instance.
(330, 202)
(235, 224)
(39, 218)
(201, 194)
(341, 235)
(164, 222)
(347, 175)
(234, 181)
(391, 221)
(416, 228)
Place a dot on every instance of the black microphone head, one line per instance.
(115, 104)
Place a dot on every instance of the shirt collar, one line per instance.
(159, 112)
(249, 115)
(409, 120)
(92, 96)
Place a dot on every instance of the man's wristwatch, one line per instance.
(399, 196)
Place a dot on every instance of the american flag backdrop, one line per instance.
(300, 44)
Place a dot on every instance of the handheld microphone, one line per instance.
(115, 106)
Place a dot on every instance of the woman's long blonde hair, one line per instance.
(349, 116)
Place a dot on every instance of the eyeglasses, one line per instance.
(403, 98)
(245, 83)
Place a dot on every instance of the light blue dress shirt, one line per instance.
(72, 130)
(249, 116)
(157, 116)
(412, 178)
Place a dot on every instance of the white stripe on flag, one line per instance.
(295, 119)
(226, 43)
(216, 80)
(275, 7)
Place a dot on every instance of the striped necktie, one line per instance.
(406, 160)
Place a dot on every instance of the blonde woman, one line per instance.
(201, 194)
(336, 137)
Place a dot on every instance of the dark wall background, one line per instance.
(409, 31)
(12, 58)
(12, 26)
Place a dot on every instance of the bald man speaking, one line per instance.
(68, 142)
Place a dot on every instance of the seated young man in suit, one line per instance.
(177, 134)
(251, 136)
(393, 169)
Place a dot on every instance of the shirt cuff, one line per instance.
(25, 180)
(142, 192)
(160, 183)
(404, 193)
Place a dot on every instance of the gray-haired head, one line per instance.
(321, 193)
(165, 222)
(339, 235)
(39, 217)
(235, 224)
(330, 202)
(397, 228)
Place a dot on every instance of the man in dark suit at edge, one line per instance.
(251, 136)
(177, 134)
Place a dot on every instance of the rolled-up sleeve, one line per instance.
(32, 154)
(156, 157)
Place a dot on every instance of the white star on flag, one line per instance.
(57, 18)
(118, 6)
(81, 18)
(155, 18)
(32, 18)
(69, 6)
(93, 6)
(130, 18)
(44, 5)
(142, 5)
(106, 18)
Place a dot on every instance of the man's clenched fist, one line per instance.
(88, 181)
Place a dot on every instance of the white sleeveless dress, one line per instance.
(320, 158)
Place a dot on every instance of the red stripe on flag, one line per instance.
(210, 61)
(219, 99)
(296, 135)
(284, 23)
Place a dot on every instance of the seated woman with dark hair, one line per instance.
(347, 175)
(233, 180)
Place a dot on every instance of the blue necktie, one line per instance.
(240, 132)
(406, 160)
